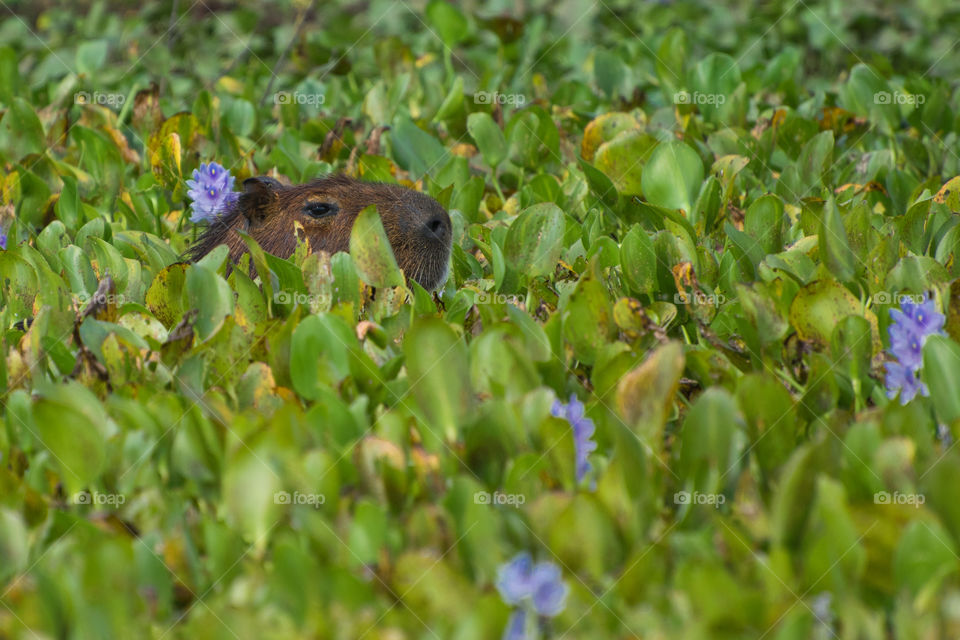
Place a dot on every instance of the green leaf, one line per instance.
(211, 296)
(837, 255)
(941, 373)
(714, 80)
(91, 56)
(588, 318)
(535, 239)
(638, 260)
(489, 138)
(763, 222)
(371, 251)
(447, 20)
(819, 306)
(672, 176)
(414, 149)
(70, 422)
(623, 158)
(318, 354)
(20, 131)
(439, 379)
(925, 555)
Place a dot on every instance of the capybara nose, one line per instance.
(438, 227)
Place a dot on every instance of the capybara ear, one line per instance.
(258, 194)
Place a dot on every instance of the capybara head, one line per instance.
(417, 226)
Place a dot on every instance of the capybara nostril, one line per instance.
(436, 226)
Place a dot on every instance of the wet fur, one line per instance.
(268, 212)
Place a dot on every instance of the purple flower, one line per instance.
(583, 429)
(911, 327)
(542, 584)
(513, 579)
(3, 239)
(211, 191)
(923, 316)
(549, 590)
(903, 380)
(906, 344)
(516, 626)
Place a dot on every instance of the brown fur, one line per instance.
(417, 227)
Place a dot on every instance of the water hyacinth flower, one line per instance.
(583, 429)
(537, 587)
(211, 191)
(516, 626)
(912, 325)
(541, 585)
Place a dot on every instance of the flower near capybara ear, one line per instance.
(534, 589)
(912, 325)
(211, 191)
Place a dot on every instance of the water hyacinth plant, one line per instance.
(583, 429)
(912, 325)
(533, 588)
(211, 191)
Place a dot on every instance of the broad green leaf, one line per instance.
(438, 376)
(371, 251)
(489, 138)
(672, 176)
(535, 239)
(211, 296)
(941, 372)
(20, 131)
(623, 158)
(638, 260)
(448, 21)
(72, 425)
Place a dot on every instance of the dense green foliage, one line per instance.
(693, 216)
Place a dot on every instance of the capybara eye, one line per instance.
(320, 209)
